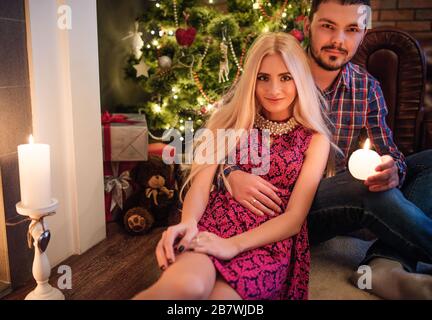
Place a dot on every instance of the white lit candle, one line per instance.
(34, 174)
(363, 162)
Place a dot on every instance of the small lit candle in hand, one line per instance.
(363, 162)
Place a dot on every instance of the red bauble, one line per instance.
(203, 110)
(297, 34)
(185, 37)
(300, 18)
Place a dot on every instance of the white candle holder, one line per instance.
(41, 266)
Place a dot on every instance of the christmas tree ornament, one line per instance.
(208, 42)
(275, 16)
(297, 34)
(137, 41)
(200, 87)
(164, 62)
(175, 14)
(234, 55)
(142, 69)
(223, 64)
(185, 37)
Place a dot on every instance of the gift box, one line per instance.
(125, 137)
(118, 187)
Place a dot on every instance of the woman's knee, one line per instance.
(192, 276)
(191, 287)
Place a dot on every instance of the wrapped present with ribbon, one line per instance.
(118, 186)
(125, 137)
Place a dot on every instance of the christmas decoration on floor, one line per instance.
(193, 51)
(155, 199)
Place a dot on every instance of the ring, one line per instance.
(253, 201)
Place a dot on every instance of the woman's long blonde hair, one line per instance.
(238, 107)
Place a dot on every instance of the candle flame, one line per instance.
(31, 140)
(366, 144)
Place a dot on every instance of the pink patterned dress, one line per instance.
(277, 271)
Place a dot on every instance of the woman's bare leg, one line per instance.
(223, 291)
(191, 276)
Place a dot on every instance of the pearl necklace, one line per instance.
(275, 128)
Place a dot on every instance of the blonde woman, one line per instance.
(220, 249)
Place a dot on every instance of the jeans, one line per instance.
(400, 218)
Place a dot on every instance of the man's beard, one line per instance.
(320, 62)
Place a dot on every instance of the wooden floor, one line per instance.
(4, 289)
(117, 268)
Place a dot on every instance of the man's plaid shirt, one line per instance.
(356, 101)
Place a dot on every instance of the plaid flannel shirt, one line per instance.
(356, 103)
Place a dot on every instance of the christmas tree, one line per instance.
(187, 54)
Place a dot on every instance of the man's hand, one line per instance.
(387, 177)
(254, 193)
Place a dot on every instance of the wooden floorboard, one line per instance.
(117, 268)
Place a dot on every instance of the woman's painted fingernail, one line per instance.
(170, 261)
(163, 268)
(181, 249)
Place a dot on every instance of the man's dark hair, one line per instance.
(316, 3)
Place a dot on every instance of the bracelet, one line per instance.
(230, 169)
(219, 181)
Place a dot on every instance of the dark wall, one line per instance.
(115, 19)
(15, 126)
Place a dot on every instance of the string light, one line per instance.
(155, 43)
(148, 46)
(152, 32)
(157, 108)
(256, 6)
(175, 97)
(157, 5)
(161, 33)
(182, 128)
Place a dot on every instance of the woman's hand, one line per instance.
(254, 193)
(211, 244)
(183, 233)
